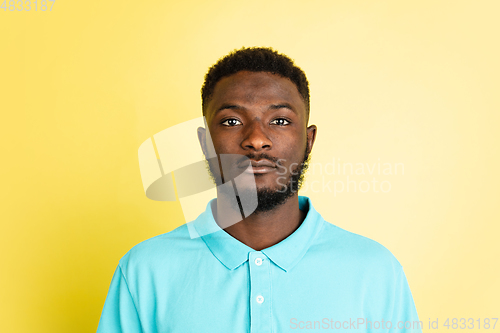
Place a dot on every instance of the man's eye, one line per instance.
(280, 122)
(231, 122)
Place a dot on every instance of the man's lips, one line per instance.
(258, 167)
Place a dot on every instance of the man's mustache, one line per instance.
(258, 157)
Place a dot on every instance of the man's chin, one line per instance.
(270, 199)
(265, 199)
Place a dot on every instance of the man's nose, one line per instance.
(256, 137)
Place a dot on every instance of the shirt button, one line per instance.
(258, 261)
(260, 299)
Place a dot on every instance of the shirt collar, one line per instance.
(232, 253)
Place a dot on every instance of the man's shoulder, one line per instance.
(351, 247)
(161, 248)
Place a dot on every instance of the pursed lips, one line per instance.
(259, 167)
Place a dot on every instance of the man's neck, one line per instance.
(261, 230)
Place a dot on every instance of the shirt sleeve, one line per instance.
(119, 314)
(404, 318)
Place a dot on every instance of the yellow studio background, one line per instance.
(409, 82)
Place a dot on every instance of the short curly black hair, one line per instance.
(255, 59)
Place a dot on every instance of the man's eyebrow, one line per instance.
(229, 106)
(226, 106)
(282, 105)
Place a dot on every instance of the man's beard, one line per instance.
(268, 198)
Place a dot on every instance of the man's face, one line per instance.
(263, 117)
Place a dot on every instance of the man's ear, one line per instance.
(311, 137)
(202, 138)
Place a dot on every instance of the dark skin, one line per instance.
(255, 113)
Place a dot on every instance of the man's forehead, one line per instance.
(255, 87)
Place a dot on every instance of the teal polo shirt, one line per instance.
(320, 278)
